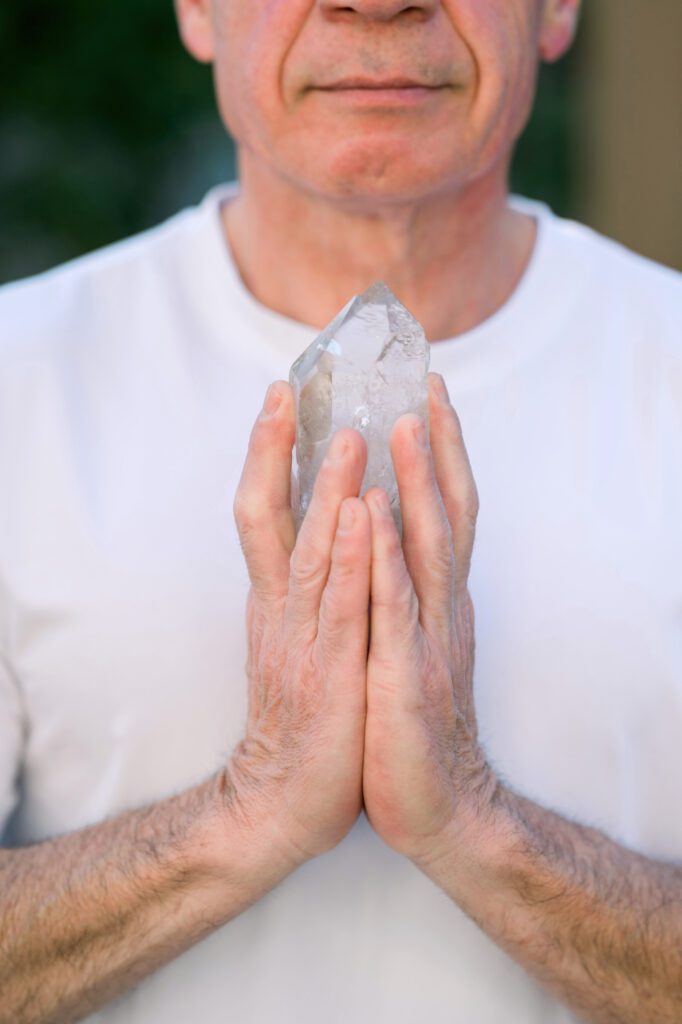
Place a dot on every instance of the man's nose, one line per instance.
(379, 10)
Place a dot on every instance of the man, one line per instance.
(359, 842)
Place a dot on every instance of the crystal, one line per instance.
(366, 369)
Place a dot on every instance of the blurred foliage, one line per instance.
(545, 159)
(107, 126)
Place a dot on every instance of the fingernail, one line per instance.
(346, 517)
(272, 400)
(420, 434)
(337, 449)
(441, 389)
(381, 503)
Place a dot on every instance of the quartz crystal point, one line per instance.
(367, 368)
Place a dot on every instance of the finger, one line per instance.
(394, 616)
(344, 607)
(339, 477)
(454, 475)
(262, 504)
(427, 542)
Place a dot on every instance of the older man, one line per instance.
(350, 837)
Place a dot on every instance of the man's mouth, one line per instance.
(376, 83)
(370, 93)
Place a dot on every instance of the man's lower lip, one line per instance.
(407, 96)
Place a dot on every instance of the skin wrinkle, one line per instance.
(282, 66)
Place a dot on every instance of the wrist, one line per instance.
(471, 858)
(235, 846)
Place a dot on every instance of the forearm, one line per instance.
(599, 925)
(87, 915)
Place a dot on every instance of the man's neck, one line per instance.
(452, 259)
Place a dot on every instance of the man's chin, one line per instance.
(372, 185)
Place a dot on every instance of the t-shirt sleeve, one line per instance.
(11, 743)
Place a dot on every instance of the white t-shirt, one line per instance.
(129, 381)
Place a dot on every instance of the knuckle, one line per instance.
(401, 599)
(470, 523)
(303, 697)
(391, 542)
(470, 509)
(464, 510)
(248, 538)
(440, 561)
(342, 574)
(342, 643)
(250, 514)
(340, 604)
(307, 569)
(332, 626)
(243, 508)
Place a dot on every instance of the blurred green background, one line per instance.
(107, 126)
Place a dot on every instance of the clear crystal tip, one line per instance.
(367, 368)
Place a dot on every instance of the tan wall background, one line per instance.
(629, 130)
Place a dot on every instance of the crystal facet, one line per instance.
(365, 369)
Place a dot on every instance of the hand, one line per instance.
(298, 771)
(424, 773)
